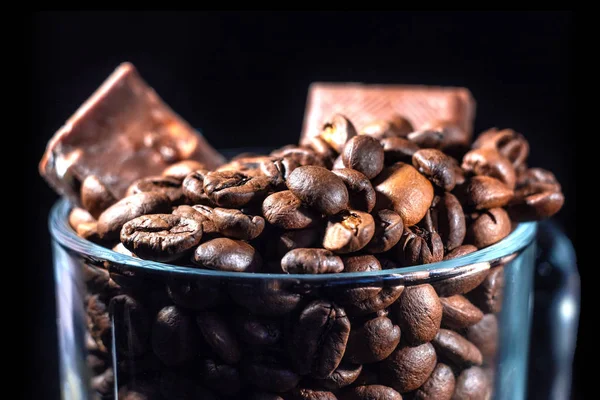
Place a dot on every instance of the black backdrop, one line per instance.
(242, 78)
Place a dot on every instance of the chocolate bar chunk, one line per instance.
(123, 132)
(365, 104)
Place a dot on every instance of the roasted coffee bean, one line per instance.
(174, 336)
(362, 196)
(319, 339)
(319, 188)
(113, 218)
(298, 156)
(270, 375)
(538, 196)
(439, 386)
(311, 261)
(310, 394)
(284, 210)
(233, 189)
(95, 197)
(97, 311)
(223, 379)
(484, 335)
(397, 126)
(255, 330)
(419, 313)
(459, 313)
(363, 154)
(195, 294)
(349, 232)
(224, 254)
(372, 392)
(343, 376)
(388, 231)
(96, 363)
(131, 325)
(419, 246)
(269, 298)
(484, 192)
(368, 376)
(161, 237)
(489, 294)
(182, 169)
(89, 231)
(121, 249)
(436, 166)
(364, 291)
(460, 251)
(489, 162)
(337, 131)
(200, 212)
(183, 386)
(290, 240)
(193, 188)
(472, 384)
(162, 184)
(407, 368)
(323, 150)
(509, 143)
(462, 283)
(141, 390)
(383, 299)
(373, 341)
(440, 134)
(456, 349)
(538, 176)
(79, 216)
(236, 224)
(448, 220)
(489, 227)
(403, 189)
(219, 336)
(104, 383)
(397, 149)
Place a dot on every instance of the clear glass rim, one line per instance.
(65, 236)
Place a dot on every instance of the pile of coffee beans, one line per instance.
(347, 201)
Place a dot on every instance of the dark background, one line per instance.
(243, 77)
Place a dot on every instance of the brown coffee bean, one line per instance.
(89, 231)
(270, 298)
(418, 246)
(509, 143)
(104, 383)
(131, 325)
(439, 386)
(296, 156)
(310, 394)
(489, 294)
(95, 197)
(459, 313)
(290, 240)
(397, 149)
(174, 336)
(361, 194)
(343, 376)
(79, 216)
(349, 232)
(237, 225)
(97, 312)
(162, 184)
(223, 379)
(219, 336)
(489, 162)
(193, 187)
(383, 299)
(141, 390)
(538, 196)
(195, 294)
(256, 331)
(372, 392)
(323, 150)
(311, 261)
(462, 283)
(363, 291)
(373, 341)
(319, 188)
(270, 376)
(456, 349)
(484, 335)
(286, 211)
(363, 154)
(441, 135)
(337, 131)
(489, 227)
(113, 218)
(201, 213)
(472, 384)
(407, 368)
(388, 231)
(182, 169)
(419, 313)
(319, 339)
(226, 254)
(485, 192)
(436, 166)
(460, 251)
(449, 220)
(396, 126)
(402, 188)
(161, 237)
(233, 189)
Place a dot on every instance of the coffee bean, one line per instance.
(162, 184)
(383, 299)
(97, 311)
(484, 192)
(323, 150)
(183, 386)
(223, 379)
(113, 218)
(419, 246)
(397, 126)
(95, 197)
(338, 163)
(538, 196)
(79, 216)
(407, 368)
(236, 224)
(489, 294)
(255, 330)
(402, 188)
(456, 349)
(224, 254)
(233, 189)
(489, 162)
(319, 339)
(195, 294)
(372, 392)
(362, 196)
(442, 135)
(161, 237)
(219, 336)
(140, 390)
(449, 220)
(509, 143)
(311, 394)
(89, 231)
(484, 335)
(269, 298)
(356, 294)
(270, 375)
(182, 169)
(463, 283)
(363, 154)
(373, 341)
(419, 313)
(311, 261)
(349, 232)
(200, 212)
(459, 313)
(436, 166)
(104, 383)
(319, 188)
(343, 376)
(337, 131)
(397, 149)
(285, 211)
(297, 156)
(131, 325)
(174, 336)
(368, 376)
(96, 363)
(472, 384)
(388, 231)
(460, 251)
(489, 227)
(439, 386)
(193, 188)
(290, 240)
(119, 248)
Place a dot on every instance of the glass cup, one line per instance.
(136, 329)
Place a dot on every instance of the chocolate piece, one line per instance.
(123, 132)
(364, 104)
